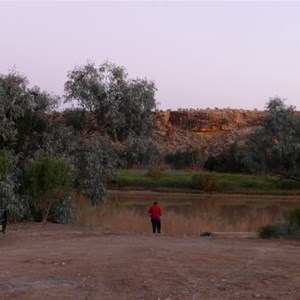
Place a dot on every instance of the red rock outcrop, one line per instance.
(210, 131)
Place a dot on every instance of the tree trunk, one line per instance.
(46, 212)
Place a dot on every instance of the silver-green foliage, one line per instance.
(58, 141)
(140, 151)
(275, 148)
(122, 106)
(13, 102)
(95, 166)
(9, 197)
(289, 229)
(27, 135)
(5, 162)
(64, 211)
(20, 105)
(23, 118)
(93, 162)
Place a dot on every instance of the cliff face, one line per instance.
(210, 131)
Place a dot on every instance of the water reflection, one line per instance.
(195, 213)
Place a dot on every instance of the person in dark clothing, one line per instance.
(155, 213)
(3, 219)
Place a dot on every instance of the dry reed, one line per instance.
(206, 216)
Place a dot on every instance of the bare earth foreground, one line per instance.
(71, 262)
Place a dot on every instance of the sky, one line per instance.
(200, 54)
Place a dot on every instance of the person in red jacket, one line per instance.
(155, 215)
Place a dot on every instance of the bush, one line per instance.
(183, 159)
(288, 184)
(228, 161)
(294, 217)
(206, 234)
(155, 172)
(283, 230)
(50, 182)
(287, 230)
(205, 182)
(140, 152)
(65, 211)
(267, 232)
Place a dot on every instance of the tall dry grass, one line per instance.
(179, 219)
(109, 216)
(173, 224)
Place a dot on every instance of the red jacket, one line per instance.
(155, 212)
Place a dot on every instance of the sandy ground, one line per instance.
(48, 261)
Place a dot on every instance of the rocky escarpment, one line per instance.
(210, 131)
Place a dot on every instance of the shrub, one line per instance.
(267, 232)
(205, 182)
(64, 211)
(291, 229)
(155, 172)
(228, 161)
(294, 217)
(50, 182)
(9, 198)
(206, 234)
(288, 184)
(140, 152)
(287, 230)
(183, 159)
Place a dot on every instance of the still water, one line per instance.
(196, 213)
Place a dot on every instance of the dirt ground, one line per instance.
(48, 261)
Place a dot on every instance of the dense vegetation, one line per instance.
(122, 106)
(289, 229)
(45, 162)
(49, 182)
(193, 181)
(275, 148)
(188, 158)
(230, 160)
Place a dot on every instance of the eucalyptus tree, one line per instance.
(35, 120)
(23, 118)
(22, 110)
(29, 134)
(121, 106)
(76, 119)
(5, 164)
(275, 148)
(95, 167)
(140, 151)
(14, 99)
(13, 102)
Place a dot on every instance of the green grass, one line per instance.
(228, 183)
(139, 178)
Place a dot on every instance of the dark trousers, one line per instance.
(156, 225)
(3, 223)
(3, 219)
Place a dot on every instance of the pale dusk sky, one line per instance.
(200, 54)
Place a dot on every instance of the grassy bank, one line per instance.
(225, 183)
